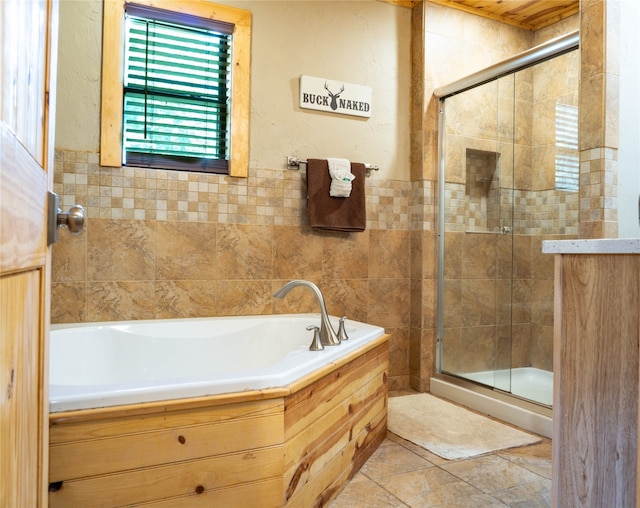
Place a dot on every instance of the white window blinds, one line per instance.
(176, 91)
(567, 161)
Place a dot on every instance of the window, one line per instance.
(176, 86)
(567, 161)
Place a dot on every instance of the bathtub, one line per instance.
(114, 363)
(213, 411)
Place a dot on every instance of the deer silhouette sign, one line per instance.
(334, 96)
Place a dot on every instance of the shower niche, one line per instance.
(482, 191)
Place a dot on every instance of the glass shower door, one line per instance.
(478, 234)
(509, 156)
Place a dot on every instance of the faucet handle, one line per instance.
(316, 343)
(342, 332)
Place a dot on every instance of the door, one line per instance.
(478, 234)
(28, 34)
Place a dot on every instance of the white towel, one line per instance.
(341, 177)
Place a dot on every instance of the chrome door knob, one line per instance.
(73, 219)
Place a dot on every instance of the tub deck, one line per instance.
(291, 446)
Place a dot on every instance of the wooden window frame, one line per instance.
(112, 78)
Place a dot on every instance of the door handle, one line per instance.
(73, 220)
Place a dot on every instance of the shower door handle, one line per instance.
(505, 230)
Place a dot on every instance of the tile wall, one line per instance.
(166, 244)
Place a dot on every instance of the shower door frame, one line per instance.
(538, 54)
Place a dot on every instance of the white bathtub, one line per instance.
(112, 363)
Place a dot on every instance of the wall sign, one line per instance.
(335, 96)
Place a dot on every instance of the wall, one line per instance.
(365, 43)
(162, 244)
(629, 154)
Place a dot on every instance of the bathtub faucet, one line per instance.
(328, 336)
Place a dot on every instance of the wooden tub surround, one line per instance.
(294, 446)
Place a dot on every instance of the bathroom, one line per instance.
(188, 245)
(221, 246)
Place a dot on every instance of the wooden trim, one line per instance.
(112, 55)
(530, 15)
(49, 127)
(402, 3)
(165, 406)
(112, 59)
(240, 98)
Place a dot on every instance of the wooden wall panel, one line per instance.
(596, 379)
(20, 409)
(328, 425)
(172, 480)
(164, 455)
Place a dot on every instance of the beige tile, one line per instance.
(434, 487)
(478, 302)
(297, 253)
(398, 352)
(243, 298)
(244, 251)
(68, 302)
(349, 297)
(417, 255)
(345, 255)
(69, 258)
(534, 494)
(389, 302)
(120, 250)
(392, 459)
(388, 251)
(185, 298)
(185, 250)
(536, 458)
(120, 301)
(479, 256)
(491, 473)
(363, 492)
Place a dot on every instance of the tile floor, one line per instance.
(401, 474)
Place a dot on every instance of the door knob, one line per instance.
(73, 220)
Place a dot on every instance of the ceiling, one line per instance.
(529, 14)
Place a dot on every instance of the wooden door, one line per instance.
(27, 39)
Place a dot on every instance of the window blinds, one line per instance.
(176, 91)
(567, 162)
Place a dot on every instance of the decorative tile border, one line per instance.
(266, 197)
(277, 197)
(549, 212)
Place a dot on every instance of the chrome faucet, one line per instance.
(328, 336)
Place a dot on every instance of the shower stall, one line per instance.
(508, 179)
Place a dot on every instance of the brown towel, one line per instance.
(337, 214)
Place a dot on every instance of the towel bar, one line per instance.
(294, 163)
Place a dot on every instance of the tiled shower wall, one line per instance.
(167, 244)
(501, 172)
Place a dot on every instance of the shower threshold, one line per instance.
(526, 382)
(496, 403)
